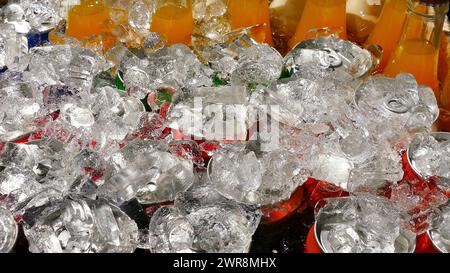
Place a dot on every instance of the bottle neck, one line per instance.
(424, 22)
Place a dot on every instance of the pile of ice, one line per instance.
(84, 134)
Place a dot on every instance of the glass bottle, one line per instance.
(173, 20)
(388, 29)
(418, 50)
(318, 15)
(86, 19)
(249, 13)
(444, 100)
(284, 18)
(362, 16)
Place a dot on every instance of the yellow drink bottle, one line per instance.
(173, 20)
(321, 14)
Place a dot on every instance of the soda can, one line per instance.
(8, 231)
(435, 240)
(415, 146)
(333, 52)
(440, 235)
(405, 242)
(278, 212)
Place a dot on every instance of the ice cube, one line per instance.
(152, 178)
(140, 16)
(222, 229)
(77, 116)
(248, 176)
(80, 226)
(259, 64)
(170, 231)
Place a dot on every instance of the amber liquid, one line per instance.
(419, 58)
(86, 20)
(444, 102)
(175, 23)
(361, 19)
(249, 13)
(320, 14)
(388, 30)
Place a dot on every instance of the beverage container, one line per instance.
(173, 20)
(424, 244)
(251, 13)
(8, 231)
(444, 100)
(284, 209)
(418, 50)
(284, 18)
(321, 16)
(419, 147)
(361, 18)
(336, 230)
(437, 239)
(88, 18)
(388, 29)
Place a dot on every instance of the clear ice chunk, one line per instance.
(153, 174)
(80, 226)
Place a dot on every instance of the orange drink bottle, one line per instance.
(388, 29)
(88, 18)
(444, 101)
(249, 13)
(173, 20)
(318, 15)
(284, 18)
(361, 19)
(418, 50)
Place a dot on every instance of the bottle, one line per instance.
(173, 20)
(444, 100)
(321, 15)
(418, 50)
(361, 18)
(249, 13)
(388, 29)
(284, 18)
(88, 18)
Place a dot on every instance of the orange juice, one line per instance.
(248, 13)
(388, 29)
(174, 22)
(444, 100)
(418, 50)
(87, 19)
(320, 14)
(417, 57)
(284, 18)
(361, 19)
(443, 66)
(444, 104)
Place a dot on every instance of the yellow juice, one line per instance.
(388, 30)
(361, 19)
(247, 13)
(418, 57)
(319, 14)
(89, 18)
(175, 23)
